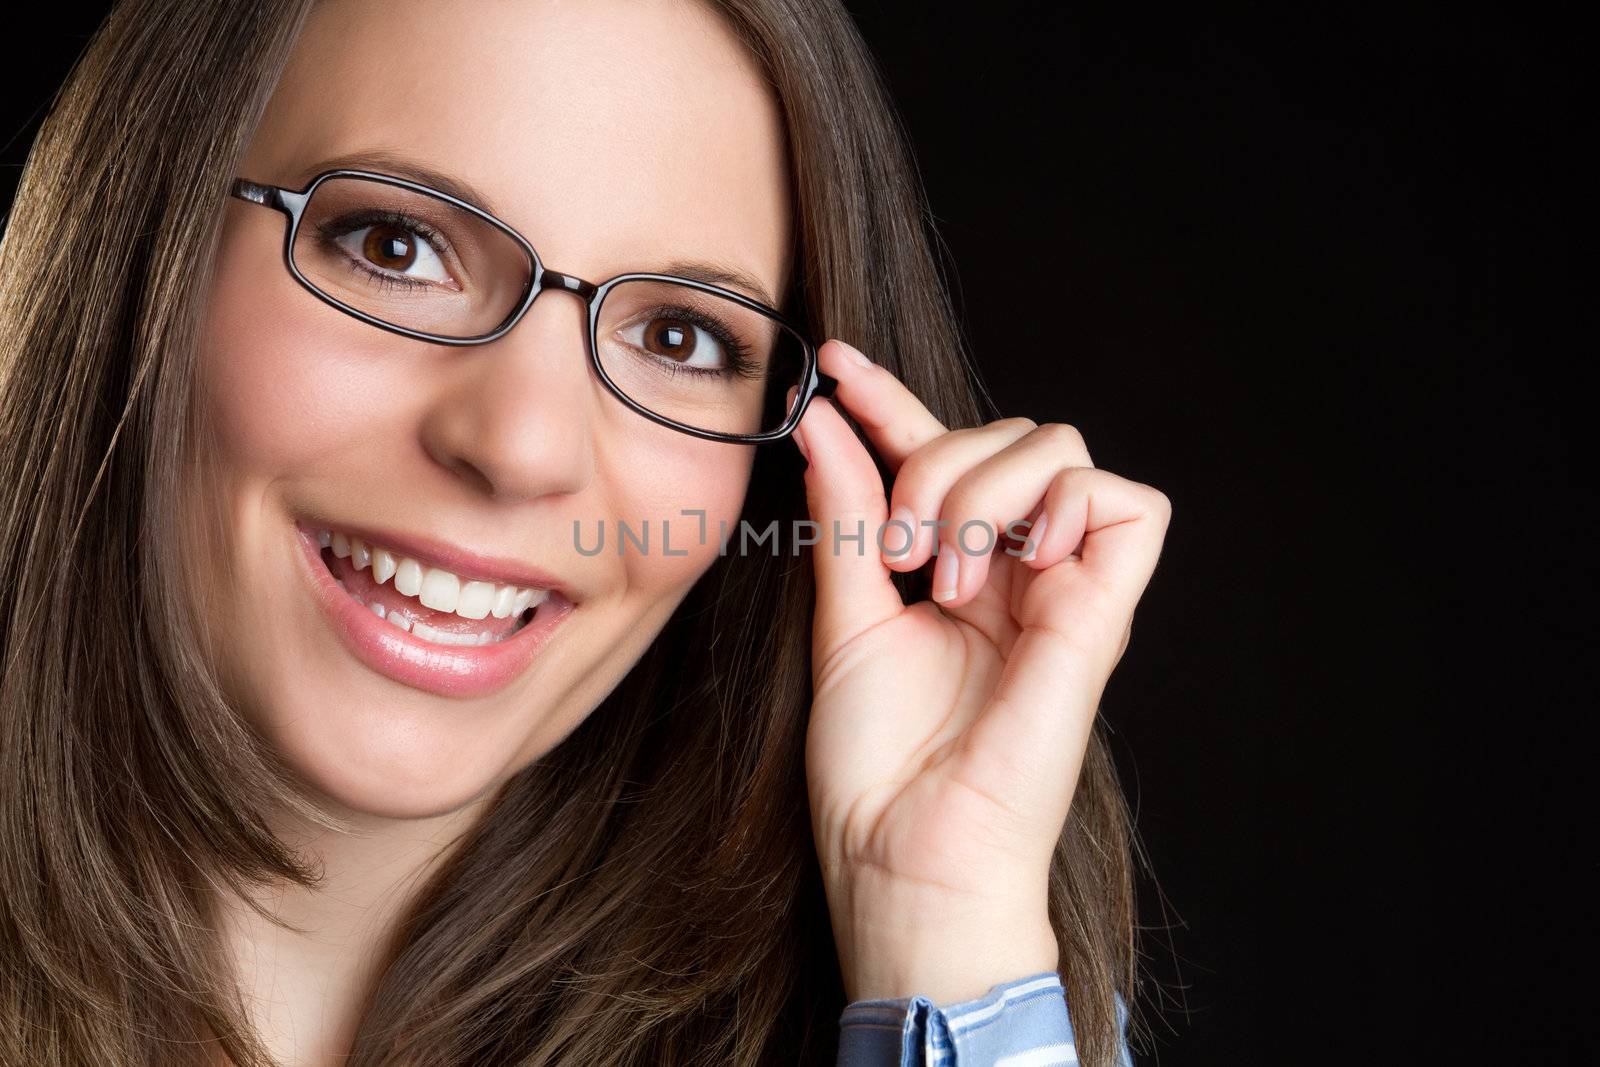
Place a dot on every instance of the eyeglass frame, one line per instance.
(292, 203)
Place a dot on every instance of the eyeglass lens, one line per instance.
(421, 263)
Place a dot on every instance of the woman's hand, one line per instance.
(946, 736)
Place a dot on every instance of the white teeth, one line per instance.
(383, 565)
(528, 598)
(428, 633)
(408, 577)
(476, 599)
(435, 587)
(440, 590)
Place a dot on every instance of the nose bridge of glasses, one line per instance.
(546, 279)
(554, 279)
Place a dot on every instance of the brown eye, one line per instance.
(671, 338)
(389, 247)
(682, 341)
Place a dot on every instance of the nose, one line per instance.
(515, 421)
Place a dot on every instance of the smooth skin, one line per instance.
(618, 135)
(945, 738)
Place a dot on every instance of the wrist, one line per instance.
(948, 952)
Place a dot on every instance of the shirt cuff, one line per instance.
(1026, 1017)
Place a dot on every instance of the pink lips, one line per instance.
(453, 671)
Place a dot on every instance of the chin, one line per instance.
(370, 761)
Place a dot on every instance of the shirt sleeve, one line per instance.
(1021, 1023)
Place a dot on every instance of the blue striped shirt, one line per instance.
(1022, 1023)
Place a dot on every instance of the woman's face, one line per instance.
(616, 136)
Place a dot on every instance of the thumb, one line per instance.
(844, 494)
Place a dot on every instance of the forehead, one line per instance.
(615, 134)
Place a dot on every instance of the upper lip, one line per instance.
(465, 564)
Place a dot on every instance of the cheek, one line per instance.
(284, 387)
(685, 495)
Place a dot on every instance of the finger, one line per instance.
(926, 479)
(894, 420)
(1083, 515)
(788, 405)
(1083, 608)
(992, 500)
(1076, 618)
(844, 494)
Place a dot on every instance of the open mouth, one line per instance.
(430, 603)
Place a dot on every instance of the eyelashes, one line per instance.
(430, 245)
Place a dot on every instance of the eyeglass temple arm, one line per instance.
(825, 385)
(265, 195)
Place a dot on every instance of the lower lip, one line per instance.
(452, 671)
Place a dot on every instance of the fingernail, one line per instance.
(946, 573)
(904, 536)
(855, 354)
(1035, 536)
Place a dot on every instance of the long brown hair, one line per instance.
(646, 892)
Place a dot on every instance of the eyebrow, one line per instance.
(388, 162)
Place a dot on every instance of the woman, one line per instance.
(335, 730)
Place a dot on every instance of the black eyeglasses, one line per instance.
(421, 263)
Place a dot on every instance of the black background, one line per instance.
(1313, 274)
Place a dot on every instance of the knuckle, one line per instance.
(933, 457)
(963, 499)
(1063, 436)
(1068, 479)
(914, 471)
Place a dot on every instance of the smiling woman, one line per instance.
(359, 758)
